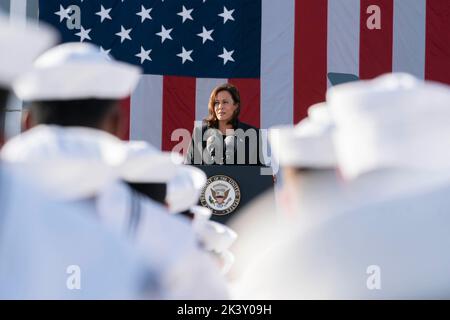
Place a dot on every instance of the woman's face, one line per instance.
(224, 106)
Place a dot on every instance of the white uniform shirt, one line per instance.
(44, 243)
(400, 245)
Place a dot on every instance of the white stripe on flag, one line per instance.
(277, 62)
(33, 9)
(146, 110)
(4, 6)
(18, 11)
(343, 36)
(409, 37)
(203, 91)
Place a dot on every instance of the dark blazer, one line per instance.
(198, 153)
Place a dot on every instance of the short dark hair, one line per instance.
(4, 94)
(85, 112)
(211, 119)
(155, 191)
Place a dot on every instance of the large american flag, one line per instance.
(281, 54)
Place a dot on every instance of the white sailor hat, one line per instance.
(21, 44)
(309, 144)
(146, 164)
(393, 121)
(201, 213)
(214, 236)
(68, 162)
(319, 113)
(74, 71)
(183, 191)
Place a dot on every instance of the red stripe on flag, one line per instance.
(250, 91)
(310, 55)
(124, 130)
(376, 45)
(437, 65)
(178, 107)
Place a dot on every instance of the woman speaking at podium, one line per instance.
(223, 139)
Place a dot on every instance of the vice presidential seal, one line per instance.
(221, 194)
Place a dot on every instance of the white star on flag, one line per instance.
(124, 34)
(185, 55)
(226, 15)
(105, 53)
(144, 14)
(226, 56)
(164, 34)
(144, 55)
(104, 13)
(186, 14)
(63, 13)
(83, 34)
(206, 35)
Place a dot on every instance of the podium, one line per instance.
(230, 187)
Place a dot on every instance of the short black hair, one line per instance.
(4, 94)
(188, 214)
(84, 112)
(155, 191)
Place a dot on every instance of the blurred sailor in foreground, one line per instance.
(394, 127)
(310, 191)
(43, 241)
(72, 127)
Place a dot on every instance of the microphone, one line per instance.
(211, 146)
(229, 149)
(214, 148)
